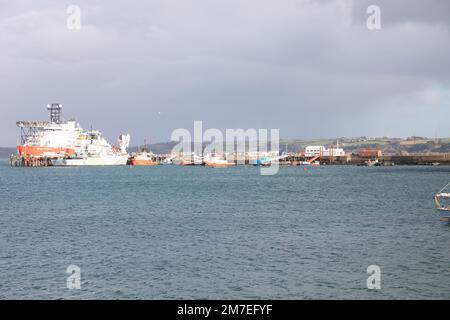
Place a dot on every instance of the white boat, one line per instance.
(267, 160)
(167, 161)
(197, 160)
(187, 160)
(98, 153)
(215, 161)
(442, 202)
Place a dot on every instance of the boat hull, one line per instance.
(92, 161)
(137, 162)
(444, 213)
(219, 164)
(38, 151)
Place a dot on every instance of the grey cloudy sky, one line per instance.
(309, 68)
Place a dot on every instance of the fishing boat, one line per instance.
(442, 202)
(215, 161)
(188, 160)
(197, 160)
(312, 161)
(143, 158)
(167, 161)
(184, 162)
(309, 163)
(262, 162)
(266, 160)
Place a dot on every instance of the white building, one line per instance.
(313, 151)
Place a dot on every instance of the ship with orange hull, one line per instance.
(54, 138)
(144, 157)
(143, 162)
(65, 143)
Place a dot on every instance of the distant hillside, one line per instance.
(388, 145)
(158, 148)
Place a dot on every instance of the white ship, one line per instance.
(67, 144)
(97, 152)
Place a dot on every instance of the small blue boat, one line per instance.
(263, 161)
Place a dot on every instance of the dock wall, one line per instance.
(293, 160)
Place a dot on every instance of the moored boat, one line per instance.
(167, 161)
(65, 143)
(442, 202)
(186, 163)
(217, 162)
(143, 158)
(98, 153)
(187, 160)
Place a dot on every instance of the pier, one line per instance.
(21, 161)
(287, 160)
(387, 160)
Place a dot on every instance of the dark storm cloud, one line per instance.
(310, 68)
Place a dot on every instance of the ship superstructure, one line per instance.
(49, 138)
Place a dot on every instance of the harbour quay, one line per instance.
(291, 159)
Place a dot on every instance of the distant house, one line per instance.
(313, 151)
(370, 153)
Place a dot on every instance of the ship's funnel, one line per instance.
(124, 142)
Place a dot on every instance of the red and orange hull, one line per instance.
(137, 162)
(36, 151)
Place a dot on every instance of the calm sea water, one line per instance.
(195, 232)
